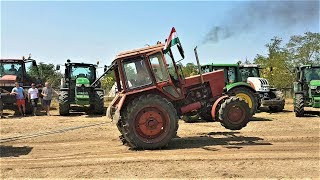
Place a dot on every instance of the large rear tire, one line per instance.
(98, 102)
(64, 104)
(299, 105)
(234, 113)
(247, 95)
(149, 122)
(280, 106)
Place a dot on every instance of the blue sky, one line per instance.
(91, 31)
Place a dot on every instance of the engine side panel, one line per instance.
(215, 80)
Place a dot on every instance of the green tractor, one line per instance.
(306, 88)
(234, 84)
(80, 86)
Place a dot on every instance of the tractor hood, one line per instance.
(259, 84)
(8, 80)
(82, 81)
(315, 83)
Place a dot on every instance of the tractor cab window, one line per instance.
(312, 74)
(158, 67)
(84, 72)
(249, 72)
(232, 75)
(171, 68)
(136, 74)
(11, 69)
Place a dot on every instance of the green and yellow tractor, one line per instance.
(80, 86)
(306, 88)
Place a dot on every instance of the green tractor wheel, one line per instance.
(299, 105)
(247, 95)
(64, 104)
(98, 105)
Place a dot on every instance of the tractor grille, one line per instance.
(82, 90)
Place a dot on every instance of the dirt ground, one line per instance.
(275, 145)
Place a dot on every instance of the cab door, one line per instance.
(164, 76)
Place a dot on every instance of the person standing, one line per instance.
(47, 93)
(33, 96)
(20, 98)
(1, 102)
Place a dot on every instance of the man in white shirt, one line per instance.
(33, 95)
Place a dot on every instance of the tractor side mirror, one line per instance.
(105, 68)
(34, 63)
(58, 67)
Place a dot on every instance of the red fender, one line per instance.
(213, 110)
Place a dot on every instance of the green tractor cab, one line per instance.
(306, 88)
(80, 86)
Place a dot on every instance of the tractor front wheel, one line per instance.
(149, 122)
(234, 113)
(299, 105)
(247, 95)
(64, 104)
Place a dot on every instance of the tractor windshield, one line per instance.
(249, 72)
(312, 74)
(11, 69)
(136, 73)
(82, 71)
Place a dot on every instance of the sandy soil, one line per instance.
(275, 145)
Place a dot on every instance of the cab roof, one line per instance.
(221, 65)
(144, 50)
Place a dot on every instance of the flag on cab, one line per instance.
(173, 40)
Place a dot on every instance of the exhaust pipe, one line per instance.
(199, 66)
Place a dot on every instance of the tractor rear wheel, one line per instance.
(98, 105)
(280, 106)
(247, 95)
(64, 104)
(234, 113)
(149, 122)
(299, 105)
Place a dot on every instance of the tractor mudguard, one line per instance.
(113, 110)
(215, 105)
(239, 84)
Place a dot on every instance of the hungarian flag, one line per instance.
(173, 40)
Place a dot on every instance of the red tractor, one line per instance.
(17, 70)
(153, 94)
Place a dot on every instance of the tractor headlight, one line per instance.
(313, 87)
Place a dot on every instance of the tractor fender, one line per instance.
(215, 105)
(239, 84)
(113, 110)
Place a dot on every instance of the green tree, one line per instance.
(304, 49)
(46, 73)
(276, 64)
(189, 69)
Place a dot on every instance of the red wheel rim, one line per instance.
(151, 123)
(236, 114)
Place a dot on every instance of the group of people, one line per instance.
(31, 95)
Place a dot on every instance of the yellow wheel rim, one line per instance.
(246, 98)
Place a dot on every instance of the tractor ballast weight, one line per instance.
(17, 70)
(79, 86)
(153, 94)
(306, 88)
